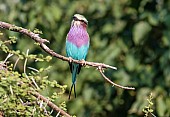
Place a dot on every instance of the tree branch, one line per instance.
(42, 41)
(50, 104)
(38, 96)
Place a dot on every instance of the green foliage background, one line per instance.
(133, 35)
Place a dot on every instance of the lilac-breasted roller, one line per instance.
(77, 45)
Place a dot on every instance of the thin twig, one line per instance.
(152, 114)
(58, 114)
(21, 100)
(10, 87)
(35, 83)
(51, 111)
(25, 63)
(16, 63)
(9, 55)
(33, 69)
(114, 84)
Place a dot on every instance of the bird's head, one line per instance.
(79, 20)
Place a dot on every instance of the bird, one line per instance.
(77, 45)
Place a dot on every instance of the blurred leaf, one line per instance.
(140, 32)
(107, 28)
(153, 19)
(119, 26)
(130, 62)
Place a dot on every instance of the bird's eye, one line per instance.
(83, 21)
(75, 18)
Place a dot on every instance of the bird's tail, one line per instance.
(74, 73)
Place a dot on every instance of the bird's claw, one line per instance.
(70, 59)
(83, 62)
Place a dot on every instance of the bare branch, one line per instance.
(114, 84)
(9, 55)
(42, 41)
(50, 104)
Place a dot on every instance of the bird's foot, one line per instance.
(83, 62)
(70, 59)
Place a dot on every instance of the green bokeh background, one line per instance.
(133, 35)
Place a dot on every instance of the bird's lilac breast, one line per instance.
(78, 36)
